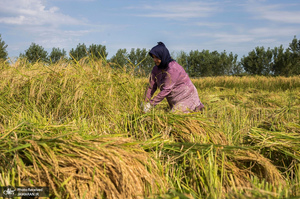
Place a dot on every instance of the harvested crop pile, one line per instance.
(180, 128)
(76, 168)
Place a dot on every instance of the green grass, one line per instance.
(79, 129)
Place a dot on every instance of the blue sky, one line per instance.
(237, 26)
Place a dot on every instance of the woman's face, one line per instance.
(156, 60)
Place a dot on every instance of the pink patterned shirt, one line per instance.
(176, 86)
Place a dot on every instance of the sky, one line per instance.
(236, 26)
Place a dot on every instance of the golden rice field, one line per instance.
(78, 129)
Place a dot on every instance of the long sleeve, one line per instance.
(167, 83)
(151, 88)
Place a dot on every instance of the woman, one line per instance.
(173, 82)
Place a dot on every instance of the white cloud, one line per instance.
(33, 12)
(227, 37)
(233, 38)
(178, 10)
(256, 34)
(46, 26)
(52, 37)
(275, 12)
(213, 24)
(274, 31)
(282, 16)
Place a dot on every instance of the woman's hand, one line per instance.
(146, 107)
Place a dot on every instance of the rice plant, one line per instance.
(78, 128)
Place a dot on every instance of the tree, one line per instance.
(57, 54)
(281, 61)
(182, 59)
(79, 52)
(207, 63)
(237, 68)
(3, 51)
(141, 60)
(194, 60)
(287, 62)
(258, 61)
(294, 47)
(97, 51)
(120, 58)
(203, 64)
(35, 53)
(228, 64)
(217, 63)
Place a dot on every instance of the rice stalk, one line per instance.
(181, 128)
(77, 168)
(280, 146)
(213, 170)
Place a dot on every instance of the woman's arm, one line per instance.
(170, 77)
(152, 87)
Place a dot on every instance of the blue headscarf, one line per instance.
(161, 52)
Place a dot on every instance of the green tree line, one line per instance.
(277, 61)
(259, 61)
